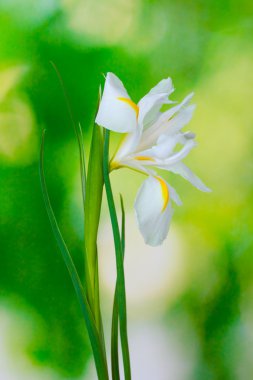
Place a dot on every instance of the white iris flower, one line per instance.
(149, 142)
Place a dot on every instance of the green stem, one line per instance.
(97, 310)
(121, 293)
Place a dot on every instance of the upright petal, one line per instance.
(164, 86)
(151, 103)
(168, 122)
(181, 119)
(167, 115)
(117, 111)
(153, 210)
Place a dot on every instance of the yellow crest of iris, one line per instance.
(131, 104)
(144, 158)
(165, 192)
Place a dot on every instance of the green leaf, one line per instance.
(115, 312)
(121, 292)
(97, 346)
(94, 191)
(78, 132)
(79, 135)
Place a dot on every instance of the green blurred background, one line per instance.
(190, 301)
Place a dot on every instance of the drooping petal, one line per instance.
(183, 170)
(153, 210)
(150, 104)
(174, 195)
(117, 111)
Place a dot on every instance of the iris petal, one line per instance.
(114, 113)
(153, 219)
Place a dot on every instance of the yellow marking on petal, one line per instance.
(144, 158)
(165, 192)
(131, 104)
(114, 165)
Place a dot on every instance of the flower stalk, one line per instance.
(115, 311)
(120, 287)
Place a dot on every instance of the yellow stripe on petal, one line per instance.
(165, 192)
(114, 165)
(131, 104)
(144, 158)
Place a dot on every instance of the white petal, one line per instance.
(151, 103)
(165, 145)
(182, 118)
(165, 116)
(174, 196)
(129, 144)
(116, 110)
(134, 164)
(168, 122)
(173, 159)
(180, 137)
(187, 174)
(176, 157)
(164, 86)
(153, 219)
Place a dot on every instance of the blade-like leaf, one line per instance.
(115, 312)
(94, 191)
(121, 292)
(93, 186)
(97, 348)
(82, 161)
(78, 132)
